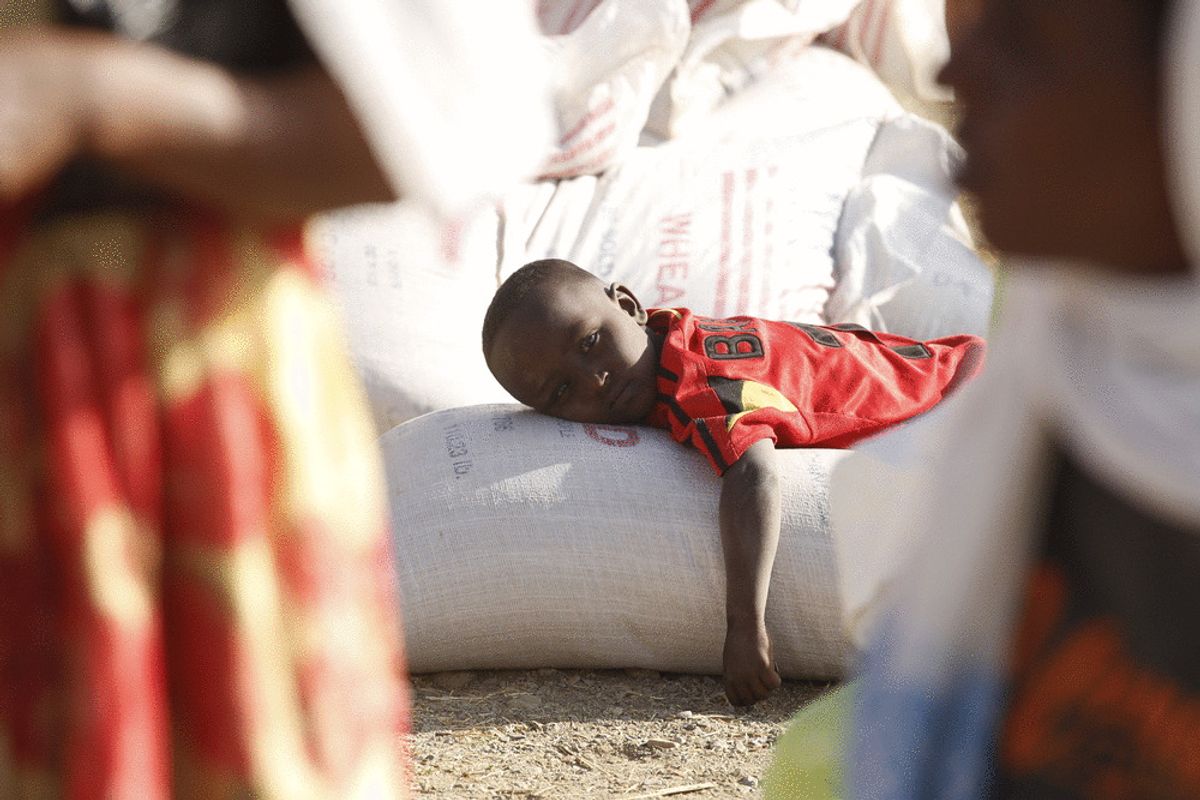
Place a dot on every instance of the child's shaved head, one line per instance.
(528, 283)
(560, 341)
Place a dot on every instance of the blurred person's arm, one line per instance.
(749, 520)
(269, 147)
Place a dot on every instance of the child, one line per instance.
(561, 342)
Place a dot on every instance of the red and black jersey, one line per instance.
(724, 384)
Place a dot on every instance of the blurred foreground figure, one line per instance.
(1044, 642)
(196, 592)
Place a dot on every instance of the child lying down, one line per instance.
(562, 342)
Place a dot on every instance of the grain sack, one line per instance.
(526, 541)
(839, 209)
(905, 260)
(722, 221)
(606, 73)
(732, 44)
(412, 291)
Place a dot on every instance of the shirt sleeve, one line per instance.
(724, 439)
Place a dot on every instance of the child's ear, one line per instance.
(621, 295)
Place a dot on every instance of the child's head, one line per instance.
(563, 343)
(1061, 125)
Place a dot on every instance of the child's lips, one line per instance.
(618, 402)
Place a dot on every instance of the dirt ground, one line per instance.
(586, 734)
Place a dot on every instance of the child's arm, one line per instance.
(749, 516)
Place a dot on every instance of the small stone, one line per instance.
(660, 744)
(684, 715)
(747, 780)
(452, 681)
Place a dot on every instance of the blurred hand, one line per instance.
(42, 108)
(749, 666)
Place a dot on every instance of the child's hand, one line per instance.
(749, 666)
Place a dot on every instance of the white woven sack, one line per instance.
(905, 259)
(525, 541)
(750, 215)
(739, 218)
(606, 73)
(732, 44)
(412, 293)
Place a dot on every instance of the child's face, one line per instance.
(579, 352)
(1060, 124)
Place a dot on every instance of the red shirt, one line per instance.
(724, 384)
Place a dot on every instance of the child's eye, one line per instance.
(590, 341)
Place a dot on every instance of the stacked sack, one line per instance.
(806, 194)
(711, 155)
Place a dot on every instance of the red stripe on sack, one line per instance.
(859, 26)
(880, 34)
(586, 120)
(842, 36)
(768, 237)
(582, 147)
(701, 8)
(835, 37)
(867, 30)
(747, 244)
(726, 244)
(598, 163)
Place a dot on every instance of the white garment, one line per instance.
(453, 96)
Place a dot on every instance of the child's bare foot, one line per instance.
(749, 667)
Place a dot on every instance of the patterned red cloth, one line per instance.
(196, 585)
(725, 384)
